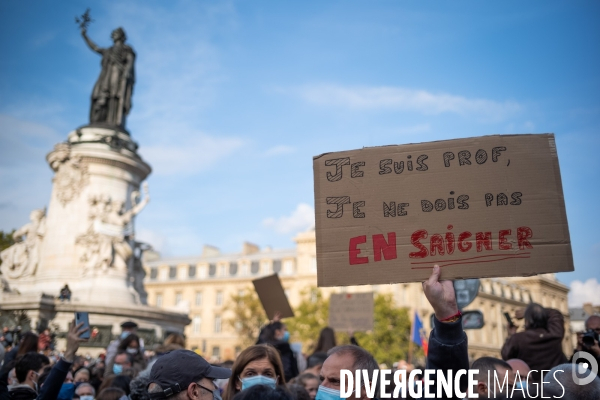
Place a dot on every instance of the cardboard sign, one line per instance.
(273, 298)
(351, 311)
(479, 207)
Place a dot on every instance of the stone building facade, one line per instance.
(202, 286)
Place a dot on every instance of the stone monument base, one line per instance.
(44, 311)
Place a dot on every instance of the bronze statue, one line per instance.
(111, 97)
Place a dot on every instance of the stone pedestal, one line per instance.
(86, 239)
(46, 311)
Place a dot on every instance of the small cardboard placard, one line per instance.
(351, 311)
(478, 207)
(272, 296)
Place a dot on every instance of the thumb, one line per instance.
(435, 275)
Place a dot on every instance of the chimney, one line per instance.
(250, 248)
(210, 251)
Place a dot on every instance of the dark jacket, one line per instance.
(448, 350)
(288, 359)
(49, 390)
(540, 348)
(22, 392)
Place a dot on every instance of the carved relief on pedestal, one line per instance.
(71, 172)
(22, 258)
(108, 242)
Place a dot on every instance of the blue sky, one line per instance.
(232, 100)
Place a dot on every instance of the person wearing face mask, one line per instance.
(277, 335)
(256, 365)
(184, 375)
(448, 347)
(85, 391)
(122, 361)
(131, 345)
(29, 367)
(127, 328)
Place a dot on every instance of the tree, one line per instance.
(388, 342)
(248, 316)
(311, 315)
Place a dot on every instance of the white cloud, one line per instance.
(301, 219)
(192, 153)
(279, 150)
(404, 99)
(584, 292)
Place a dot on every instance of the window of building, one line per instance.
(153, 273)
(172, 272)
(217, 324)
(178, 297)
(212, 269)
(196, 324)
(314, 295)
(198, 301)
(254, 267)
(159, 300)
(192, 271)
(216, 352)
(219, 299)
(233, 268)
(276, 266)
(288, 267)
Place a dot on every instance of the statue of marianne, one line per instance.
(111, 97)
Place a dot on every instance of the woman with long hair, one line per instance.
(131, 345)
(277, 335)
(326, 340)
(256, 365)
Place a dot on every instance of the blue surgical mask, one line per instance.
(258, 380)
(86, 397)
(67, 390)
(521, 385)
(117, 369)
(286, 336)
(124, 334)
(325, 393)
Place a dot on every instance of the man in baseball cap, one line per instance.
(184, 375)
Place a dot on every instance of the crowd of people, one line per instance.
(271, 369)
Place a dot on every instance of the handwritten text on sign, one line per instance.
(486, 200)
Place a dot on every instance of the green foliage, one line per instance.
(248, 316)
(388, 342)
(311, 315)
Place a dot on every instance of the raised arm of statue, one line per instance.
(136, 207)
(91, 44)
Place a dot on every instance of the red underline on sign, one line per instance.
(471, 258)
(465, 260)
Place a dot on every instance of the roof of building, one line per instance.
(261, 255)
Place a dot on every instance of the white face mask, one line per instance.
(132, 350)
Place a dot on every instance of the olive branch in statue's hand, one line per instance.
(84, 20)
